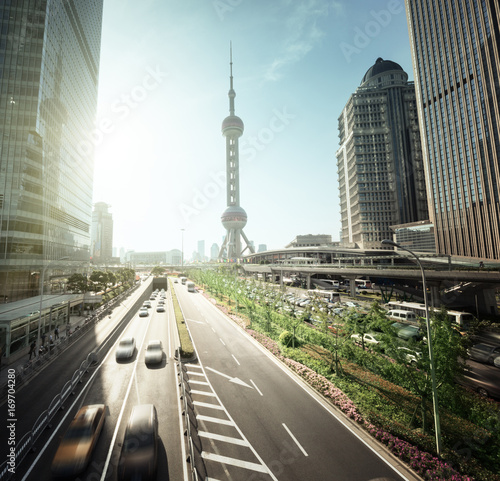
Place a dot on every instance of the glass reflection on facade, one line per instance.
(49, 61)
(455, 48)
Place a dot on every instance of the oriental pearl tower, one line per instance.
(234, 217)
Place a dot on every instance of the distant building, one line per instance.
(201, 250)
(214, 251)
(379, 162)
(456, 59)
(101, 233)
(172, 257)
(417, 236)
(310, 240)
(262, 247)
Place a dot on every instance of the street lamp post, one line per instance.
(42, 279)
(437, 424)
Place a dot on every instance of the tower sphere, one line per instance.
(232, 126)
(234, 217)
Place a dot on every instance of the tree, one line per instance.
(449, 360)
(158, 271)
(99, 280)
(78, 283)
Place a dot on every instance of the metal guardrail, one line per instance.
(187, 432)
(25, 372)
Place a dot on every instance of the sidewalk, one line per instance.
(74, 322)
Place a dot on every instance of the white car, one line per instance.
(154, 352)
(367, 338)
(411, 357)
(125, 349)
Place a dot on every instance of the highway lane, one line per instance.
(255, 419)
(122, 385)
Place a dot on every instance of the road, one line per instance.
(119, 385)
(257, 421)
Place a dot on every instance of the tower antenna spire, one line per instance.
(231, 93)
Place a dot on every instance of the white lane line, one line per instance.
(208, 405)
(192, 373)
(222, 341)
(237, 362)
(203, 383)
(197, 322)
(295, 439)
(195, 366)
(204, 393)
(210, 419)
(234, 462)
(257, 389)
(226, 439)
(213, 329)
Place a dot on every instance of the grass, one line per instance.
(186, 347)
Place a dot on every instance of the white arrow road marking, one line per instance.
(197, 322)
(231, 379)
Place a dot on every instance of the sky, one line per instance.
(160, 157)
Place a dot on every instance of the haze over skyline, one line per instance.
(163, 84)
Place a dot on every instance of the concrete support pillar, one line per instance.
(308, 281)
(352, 286)
(434, 298)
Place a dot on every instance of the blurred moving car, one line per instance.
(485, 353)
(139, 454)
(76, 447)
(482, 384)
(125, 349)
(154, 352)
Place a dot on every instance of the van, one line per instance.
(183, 280)
(139, 454)
(401, 315)
(190, 286)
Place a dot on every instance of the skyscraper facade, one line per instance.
(379, 161)
(49, 62)
(101, 233)
(456, 60)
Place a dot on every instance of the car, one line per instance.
(351, 304)
(482, 384)
(486, 353)
(410, 356)
(176, 281)
(125, 349)
(161, 302)
(146, 304)
(367, 338)
(154, 352)
(160, 308)
(143, 312)
(75, 450)
(139, 453)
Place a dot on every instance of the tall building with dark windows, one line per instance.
(379, 161)
(49, 65)
(456, 60)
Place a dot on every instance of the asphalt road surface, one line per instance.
(254, 420)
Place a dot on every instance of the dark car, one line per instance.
(139, 454)
(76, 447)
(484, 353)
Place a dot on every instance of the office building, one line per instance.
(49, 66)
(456, 61)
(101, 233)
(380, 168)
(201, 250)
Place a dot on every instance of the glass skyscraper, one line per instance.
(455, 48)
(49, 64)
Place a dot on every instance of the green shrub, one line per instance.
(286, 338)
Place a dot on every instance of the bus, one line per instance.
(190, 286)
(363, 284)
(461, 318)
(329, 296)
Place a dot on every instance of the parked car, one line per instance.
(411, 356)
(139, 454)
(125, 349)
(367, 338)
(75, 450)
(485, 353)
